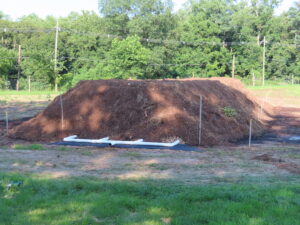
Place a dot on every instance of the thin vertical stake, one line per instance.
(261, 110)
(250, 133)
(6, 120)
(62, 112)
(200, 119)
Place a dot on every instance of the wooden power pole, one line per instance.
(264, 62)
(55, 57)
(253, 78)
(233, 66)
(19, 68)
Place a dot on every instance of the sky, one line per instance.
(57, 8)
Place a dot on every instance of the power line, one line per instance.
(147, 40)
(147, 64)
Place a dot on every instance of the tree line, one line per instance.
(146, 39)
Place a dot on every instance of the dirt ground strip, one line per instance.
(209, 166)
(286, 122)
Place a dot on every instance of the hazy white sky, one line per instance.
(18, 8)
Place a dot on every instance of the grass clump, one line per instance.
(133, 154)
(28, 147)
(90, 201)
(229, 111)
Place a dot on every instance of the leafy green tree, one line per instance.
(146, 39)
(126, 59)
(294, 17)
(203, 54)
(7, 65)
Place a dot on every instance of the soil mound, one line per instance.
(155, 110)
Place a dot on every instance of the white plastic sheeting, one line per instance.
(106, 140)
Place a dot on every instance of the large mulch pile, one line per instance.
(155, 110)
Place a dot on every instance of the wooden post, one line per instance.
(200, 119)
(29, 84)
(19, 69)
(250, 133)
(253, 79)
(233, 66)
(264, 59)
(292, 79)
(55, 57)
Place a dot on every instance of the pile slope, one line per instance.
(155, 110)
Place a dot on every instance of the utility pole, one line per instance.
(253, 78)
(55, 57)
(29, 83)
(264, 59)
(233, 66)
(19, 69)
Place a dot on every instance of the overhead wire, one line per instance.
(149, 40)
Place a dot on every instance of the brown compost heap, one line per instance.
(155, 110)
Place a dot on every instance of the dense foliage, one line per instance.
(147, 39)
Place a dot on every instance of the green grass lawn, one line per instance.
(90, 201)
(20, 96)
(283, 95)
(290, 90)
(13, 92)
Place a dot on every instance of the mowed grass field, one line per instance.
(30, 198)
(26, 96)
(289, 90)
(33, 200)
(283, 95)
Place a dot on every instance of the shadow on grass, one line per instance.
(91, 201)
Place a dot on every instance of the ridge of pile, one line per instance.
(155, 110)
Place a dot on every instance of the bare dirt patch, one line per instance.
(280, 163)
(212, 165)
